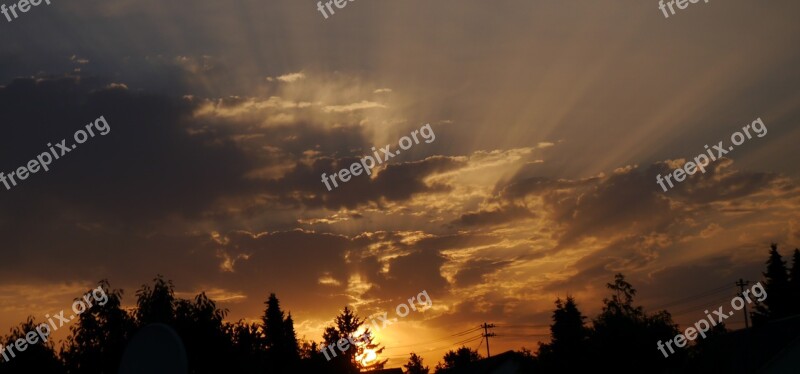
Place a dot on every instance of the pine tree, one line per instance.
(568, 328)
(366, 349)
(290, 338)
(794, 283)
(347, 326)
(273, 319)
(776, 283)
(568, 338)
(279, 336)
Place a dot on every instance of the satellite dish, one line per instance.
(155, 349)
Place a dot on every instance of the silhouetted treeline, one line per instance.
(621, 338)
(100, 335)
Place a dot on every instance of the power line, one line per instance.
(463, 342)
(693, 297)
(704, 305)
(502, 325)
(486, 334)
(467, 340)
(438, 340)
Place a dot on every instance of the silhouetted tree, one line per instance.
(98, 340)
(347, 328)
(777, 304)
(625, 329)
(569, 335)
(366, 345)
(712, 354)
(156, 304)
(347, 325)
(414, 365)
(311, 359)
(458, 359)
(208, 340)
(101, 333)
(205, 336)
(291, 337)
(248, 347)
(794, 283)
(279, 337)
(340, 362)
(39, 357)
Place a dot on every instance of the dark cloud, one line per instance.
(456, 241)
(397, 182)
(495, 217)
(720, 183)
(289, 263)
(408, 275)
(148, 166)
(473, 271)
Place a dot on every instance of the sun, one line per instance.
(368, 356)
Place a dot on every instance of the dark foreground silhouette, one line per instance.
(621, 339)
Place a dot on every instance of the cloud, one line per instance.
(474, 271)
(77, 60)
(288, 78)
(246, 108)
(362, 105)
(495, 217)
(143, 167)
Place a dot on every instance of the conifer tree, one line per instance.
(347, 326)
(279, 337)
(776, 283)
(569, 336)
(794, 283)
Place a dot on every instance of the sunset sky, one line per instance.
(552, 120)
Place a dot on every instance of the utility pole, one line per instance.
(741, 283)
(487, 334)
